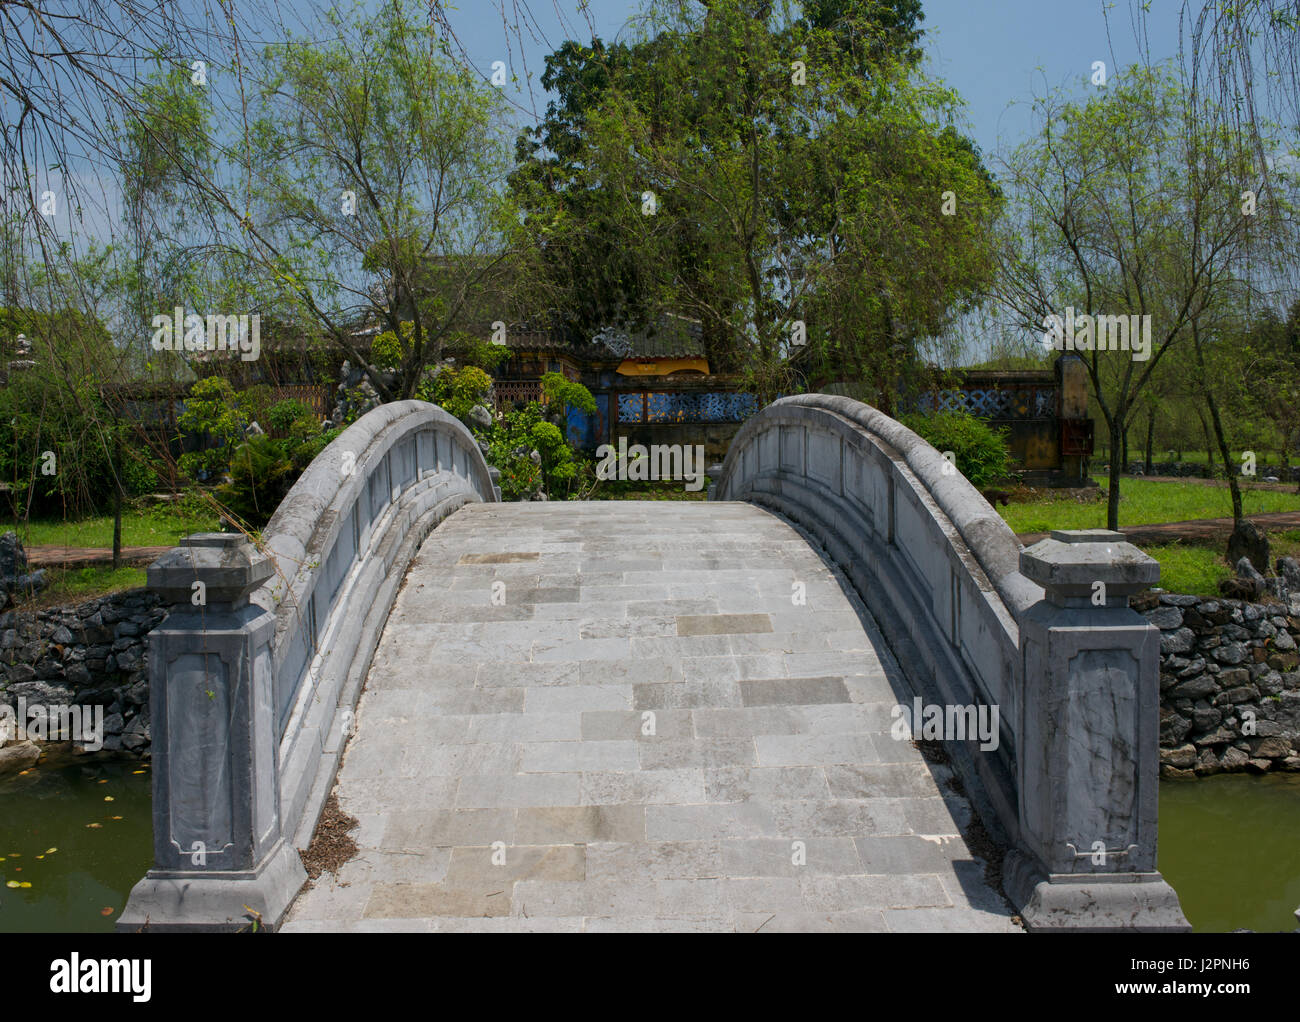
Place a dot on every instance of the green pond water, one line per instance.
(1230, 845)
(92, 868)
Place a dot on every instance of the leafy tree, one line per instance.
(1129, 203)
(376, 192)
(736, 165)
(456, 391)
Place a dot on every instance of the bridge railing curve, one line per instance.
(1043, 635)
(255, 672)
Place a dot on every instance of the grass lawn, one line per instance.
(67, 586)
(1198, 570)
(1142, 502)
(158, 526)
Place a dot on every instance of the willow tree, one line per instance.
(1136, 201)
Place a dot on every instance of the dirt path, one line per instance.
(82, 556)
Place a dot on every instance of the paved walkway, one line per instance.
(646, 734)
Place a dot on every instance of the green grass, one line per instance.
(1198, 569)
(76, 585)
(159, 526)
(1195, 570)
(1143, 502)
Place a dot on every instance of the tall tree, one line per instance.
(751, 165)
(1129, 203)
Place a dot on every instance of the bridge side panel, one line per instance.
(308, 622)
(861, 501)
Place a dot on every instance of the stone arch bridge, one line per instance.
(655, 715)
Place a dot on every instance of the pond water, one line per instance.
(1230, 845)
(80, 852)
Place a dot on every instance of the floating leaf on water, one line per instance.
(137, 771)
(103, 780)
(25, 883)
(11, 883)
(40, 856)
(50, 851)
(23, 773)
(108, 798)
(94, 826)
(106, 911)
(117, 817)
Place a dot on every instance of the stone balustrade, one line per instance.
(1044, 635)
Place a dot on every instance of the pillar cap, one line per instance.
(1070, 562)
(227, 564)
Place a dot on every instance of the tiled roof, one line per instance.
(673, 337)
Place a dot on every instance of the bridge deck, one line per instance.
(525, 723)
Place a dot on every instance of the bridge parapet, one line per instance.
(255, 673)
(977, 621)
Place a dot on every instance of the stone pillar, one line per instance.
(1088, 750)
(218, 846)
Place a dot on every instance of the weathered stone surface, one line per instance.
(1248, 542)
(17, 756)
(687, 831)
(1165, 618)
(1194, 688)
(1270, 748)
(1182, 640)
(1183, 756)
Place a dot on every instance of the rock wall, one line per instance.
(1199, 470)
(94, 654)
(1229, 684)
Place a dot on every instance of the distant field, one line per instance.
(1142, 502)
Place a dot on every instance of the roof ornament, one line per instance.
(616, 340)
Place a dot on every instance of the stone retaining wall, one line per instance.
(1229, 684)
(93, 654)
(1199, 470)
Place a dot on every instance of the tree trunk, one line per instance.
(1124, 443)
(1209, 447)
(1112, 498)
(1233, 485)
(117, 502)
(1151, 430)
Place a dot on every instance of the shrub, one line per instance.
(211, 413)
(283, 415)
(387, 351)
(261, 473)
(980, 451)
(456, 391)
(566, 394)
(264, 469)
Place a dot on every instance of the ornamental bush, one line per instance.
(980, 452)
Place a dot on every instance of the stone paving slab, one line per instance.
(613, 717)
